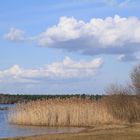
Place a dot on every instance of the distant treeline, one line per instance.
(11, 99)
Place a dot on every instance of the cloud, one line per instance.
(110, 2)
(66, 69)
(107, 3)
(116, 3)
(98, 36)
(15, 35)
(112, 35)
(110, 32)
(125, 3)
(121, 3)
(126, 58)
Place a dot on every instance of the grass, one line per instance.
(113, 109)
(101, 132)
(62, 112)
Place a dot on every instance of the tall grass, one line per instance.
(61, 112)
(117, 107)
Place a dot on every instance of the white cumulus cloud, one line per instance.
(112, 35)
(98, 36)
(107, 32)
(65, 69)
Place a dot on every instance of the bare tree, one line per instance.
(135, 77)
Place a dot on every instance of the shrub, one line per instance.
(122, 104)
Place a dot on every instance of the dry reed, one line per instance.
(61, 112)
(114, 108)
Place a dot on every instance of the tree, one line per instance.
(135, 77)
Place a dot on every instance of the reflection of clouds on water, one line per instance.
(3, 116)
(9, 130)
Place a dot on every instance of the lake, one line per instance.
(8, 130)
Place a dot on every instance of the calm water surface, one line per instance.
(8, 130)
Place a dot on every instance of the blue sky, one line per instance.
(67, 46)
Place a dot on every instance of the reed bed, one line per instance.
(61, 112)
(112, 109)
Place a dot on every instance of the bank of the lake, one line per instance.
(103, 132)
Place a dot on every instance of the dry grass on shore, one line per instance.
(61, 112)
(119, 108)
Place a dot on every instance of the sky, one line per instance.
(67, 46)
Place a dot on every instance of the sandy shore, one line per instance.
(100, 132)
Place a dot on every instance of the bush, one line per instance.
(122, 104)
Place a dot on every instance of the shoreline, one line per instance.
(99, 132)
(73, 130)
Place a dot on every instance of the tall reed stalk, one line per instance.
(61, 112)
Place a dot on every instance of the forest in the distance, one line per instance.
(11, 99)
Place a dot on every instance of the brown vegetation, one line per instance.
(122, 105)
(61, 112)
